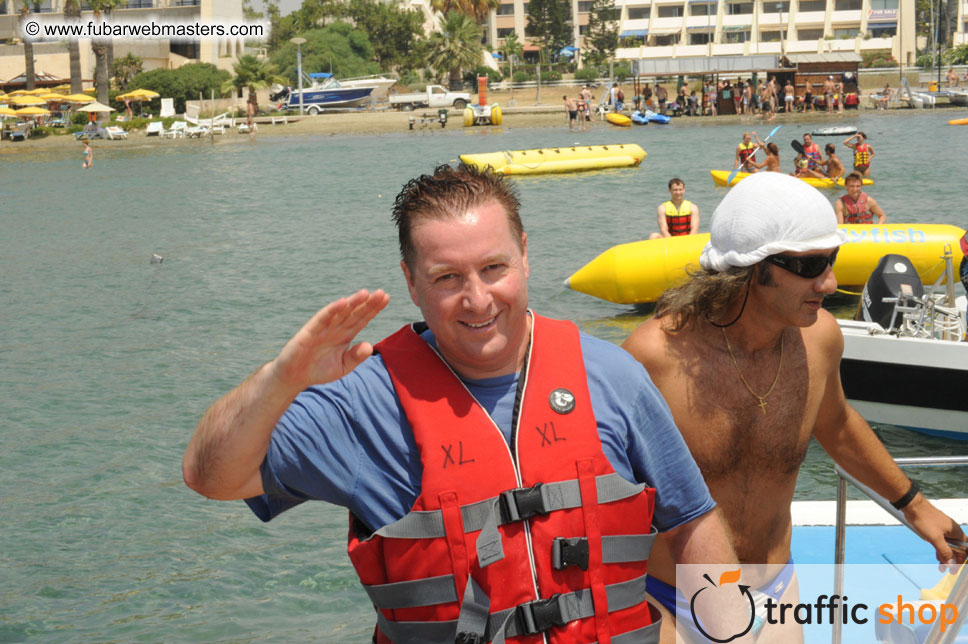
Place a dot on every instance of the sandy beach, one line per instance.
(524, 112)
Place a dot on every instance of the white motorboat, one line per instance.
(322, 91)
(958, 97)
(906, 362)
(381, 85)
(835, 130)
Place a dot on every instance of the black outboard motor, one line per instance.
(284, 92)
(894, 278)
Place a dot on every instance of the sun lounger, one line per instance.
(279, 119)
(155, 128)
(178, 129)
(21, 132)
(244, 128)
(114, 132)
(167, 107)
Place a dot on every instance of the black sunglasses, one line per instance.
(809, 267)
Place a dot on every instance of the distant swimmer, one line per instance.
(833, 165)
(857, 207)
(571, 106)
(772, 161)
(678, 216)
(88, 155)
(863, 153)
(746, 154)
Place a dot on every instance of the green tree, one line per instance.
(338, 47)
(100, 46)
(602, 34)
(476, 9)
(395, 33)
(184, 83)
(456, 46)
(549, 23)
(126, 68)
(253, 74)
(511, 48)
(30, 76)
(72, 13)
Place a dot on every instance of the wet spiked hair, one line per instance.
(449, 193)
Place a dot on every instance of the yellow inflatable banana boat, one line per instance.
(618, 119)
(641, 271)
(958, 122)
(549, 160)
(720, 177)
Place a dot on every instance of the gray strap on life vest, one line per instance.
(408, 594)
(529, 618)
(472, 621)
(554, 496)
(615, 549)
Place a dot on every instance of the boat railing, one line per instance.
(959, 593)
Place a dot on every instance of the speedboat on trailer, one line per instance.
(323, 91)
(905, 360)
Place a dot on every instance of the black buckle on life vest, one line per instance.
(541, 614)
(522, 503)
(469, 638)
(569, 552)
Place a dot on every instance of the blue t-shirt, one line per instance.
(348, 442)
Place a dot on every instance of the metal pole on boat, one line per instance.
(840, 549)
(298, 42)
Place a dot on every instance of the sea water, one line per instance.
(109, 360)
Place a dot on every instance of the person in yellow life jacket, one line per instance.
(857, 207)
(678, 216)
(863, 153)
(746, 154)
(503, 470)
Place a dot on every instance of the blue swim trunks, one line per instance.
(674, 602)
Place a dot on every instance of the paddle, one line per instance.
(732, 175)
(796, 145)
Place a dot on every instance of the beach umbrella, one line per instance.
(78, 98)
(37, 92)
(139, 95)
(32, 111)
(53, 96)
(61, 88)
(28, 100)
(17, 92)
(6, 111)
(95, 107)
(89, 89)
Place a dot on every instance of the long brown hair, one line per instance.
(707, 295)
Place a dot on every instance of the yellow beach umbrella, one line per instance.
(78, 98)
(38, 91)
(32, 111)
(6, 111)
(53, 96)
(139, 95)
(28, 100)
(61, 88)
(89, 89)
(17, 92)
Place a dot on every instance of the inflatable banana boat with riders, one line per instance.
(720, 177)
(641, 271)
(548, 160)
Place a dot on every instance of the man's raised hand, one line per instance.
(322, 351)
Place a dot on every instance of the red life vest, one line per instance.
(574, 534)
(747, 152)
(812, 153)
(678, 221)
(856, 212)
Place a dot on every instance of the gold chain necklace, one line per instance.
(779, 364)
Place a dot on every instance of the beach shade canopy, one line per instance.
(32, 111)
(37, 92)
(78, 98)
(66, 87)
(28, 100)
(6, 111)
(17, 92)
(138, 95)
(95, 107)
(89, 89)
(53, 97)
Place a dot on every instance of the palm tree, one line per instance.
(255, 74)
(512, 47)
(477, 9)
(72, 13)
(102, 77)
(457, 45)
(29, 73)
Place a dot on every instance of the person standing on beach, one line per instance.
(952, 77)
(711, 98)
(88, 155)
(857, 207)
(661, 97)
(839, 95)
(571, 106)
(587, 98)
(749, 363)
(678, 216)
(468, 447)
(863, 153)
(828, 94)
(808, 96)
(789, 97)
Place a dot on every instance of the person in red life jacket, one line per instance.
(749, 363)
(678, 216)
(812, 151)
(506, 466)
(746, 154)
(857, 207)
(863, 153)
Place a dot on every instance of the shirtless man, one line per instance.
(586, 97)
(952, 77)
(839, 95)
(828, 94)
(857, 207)
(749, 363)
(772, 161)
(863, 153)
(832, 164)
(789, 97)
(571, 106)
(808, 97)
